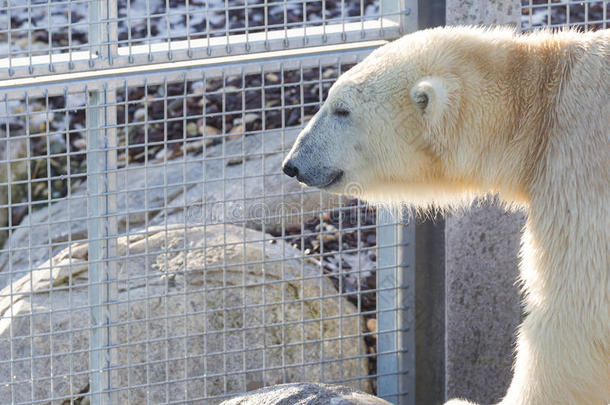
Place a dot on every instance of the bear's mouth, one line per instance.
(322, 177)
(335, 178)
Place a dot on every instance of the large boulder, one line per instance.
(227, 185)
(202, 312)
(306, 394)
(242, 182)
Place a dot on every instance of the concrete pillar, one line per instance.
(482, 301)
(481, 259)
(483, 12)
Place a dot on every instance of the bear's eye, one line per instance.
(341, 112)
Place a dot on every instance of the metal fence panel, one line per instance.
(584, 15)
(61, 36)
(151, 250)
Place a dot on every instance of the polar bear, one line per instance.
(444, 115)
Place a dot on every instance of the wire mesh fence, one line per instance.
(151, 250)
(53, 36)
(584, 15)
(213, 272)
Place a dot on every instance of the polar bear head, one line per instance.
(412, 122)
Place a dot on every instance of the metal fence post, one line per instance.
(102, 229)
(395, 307)
(402, 12)
(396, 273)
(103, 34)
(102, 224)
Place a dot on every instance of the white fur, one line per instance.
(526, 117)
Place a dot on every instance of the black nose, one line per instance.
(290, 170)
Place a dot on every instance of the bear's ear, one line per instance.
(433, 96)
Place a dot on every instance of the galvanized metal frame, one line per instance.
(101, 183)
(114, 78)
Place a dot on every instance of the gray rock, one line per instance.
(194, 319)
(306, 394)
(252, 191)
(42, 234)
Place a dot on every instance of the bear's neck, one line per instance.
(565, 245)
(520, 101)
(568, 230)
(567, 241)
